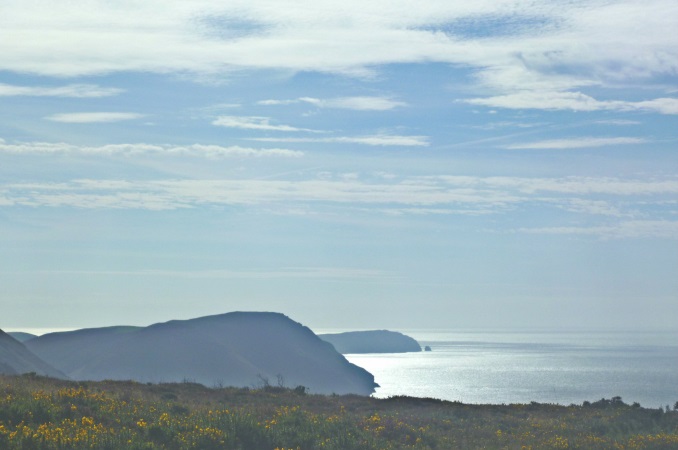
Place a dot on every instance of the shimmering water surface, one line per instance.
(520, 367)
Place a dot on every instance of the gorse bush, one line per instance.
(41, 413)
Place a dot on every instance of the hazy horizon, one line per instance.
(500, 165)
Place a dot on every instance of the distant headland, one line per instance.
(373, 341)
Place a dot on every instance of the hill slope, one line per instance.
(15, 359)
(375, 341)
(234, 349)
(21, 336)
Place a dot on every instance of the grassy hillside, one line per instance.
(43, 413)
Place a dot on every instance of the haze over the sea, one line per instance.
(496, 164)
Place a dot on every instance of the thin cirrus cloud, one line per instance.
(94, 117)
(579, 194)
(283, 272)
(666, 229)
(354, 103)
(562, 186)
(338, 273)
(382, 140)
(555, 49)
(254, 123)
(594, 207)
(574, 101)
(585, 142)
(618, 122)
(175, 194)
(613, 208)
(71, 90)
(195, 150)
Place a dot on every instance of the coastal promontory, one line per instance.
(235, 349)
(373, 341)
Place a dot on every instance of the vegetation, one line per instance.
(44, 413)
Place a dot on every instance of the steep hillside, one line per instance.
(69, 349)
(15, 358)
(21, 336)
(235, 349)
(375, 341)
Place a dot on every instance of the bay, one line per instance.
(490, 367)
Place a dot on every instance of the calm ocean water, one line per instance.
(520, 367)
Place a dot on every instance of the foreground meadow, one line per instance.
(43, 413)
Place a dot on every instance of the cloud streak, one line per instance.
(585, 142)
(94, 117)
(566, 185)
(173, 194)
(71, 90)
(353, 103)
(253, 123)
(129, 150)
(574, 101)
(413, 191)
(383, 140)
(663, 229)
(610, 208)
(332, 273)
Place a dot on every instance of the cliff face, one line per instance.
(235, 349)
(375, 341)
(16, 359)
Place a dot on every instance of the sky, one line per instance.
(492, 164)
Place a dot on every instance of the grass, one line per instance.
(43, 413)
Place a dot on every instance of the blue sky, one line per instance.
(351, 164)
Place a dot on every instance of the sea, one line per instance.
(565, 367)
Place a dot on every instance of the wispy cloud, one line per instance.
(663, 229)
(574, 101)
(579, 195)
(174, 194)
(71, 90)
(94, 117)
(619, 122)
(253, 123)
(566, 185)
(507, 124)
(585, 142)
(331, 273)
(217, 107)
(375, 140)
(354, 103)
(550, 51)
(594, 207)
(195, 150)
